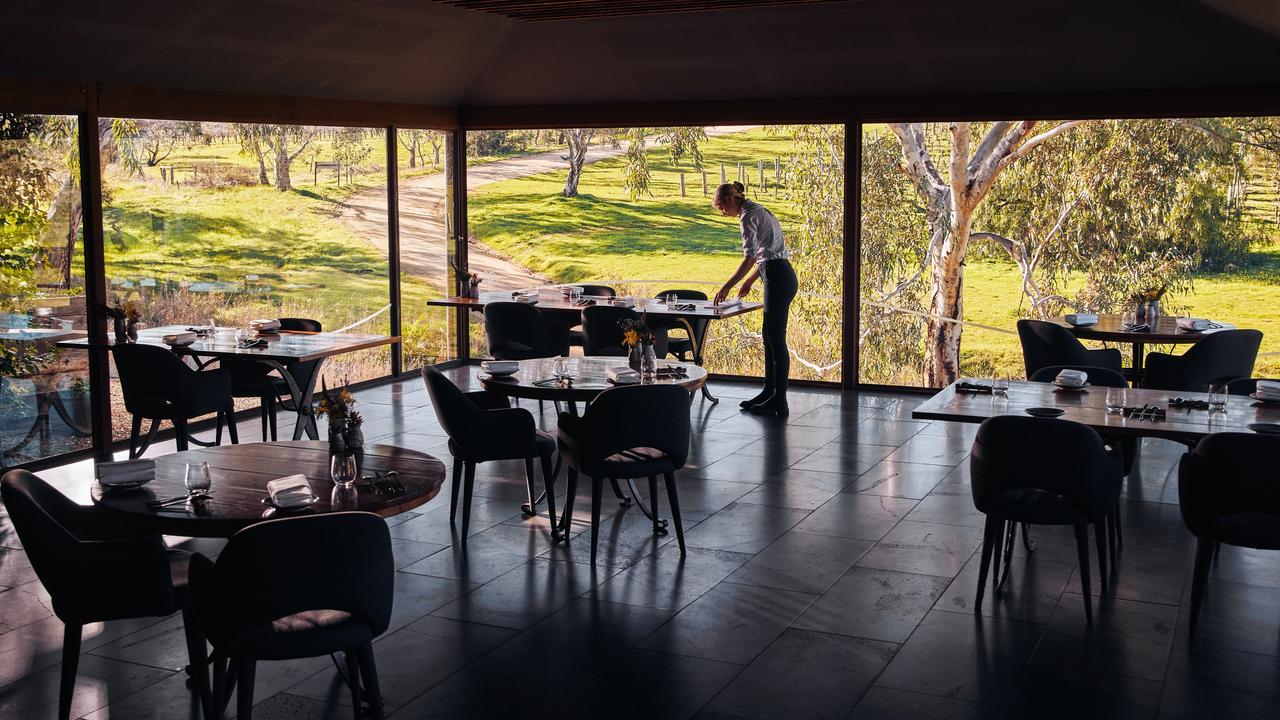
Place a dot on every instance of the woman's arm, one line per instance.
(743, 268)
(749, 281)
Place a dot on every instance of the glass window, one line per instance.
(1058, 217)
(426, 254)
(44, 393)
(631, 208)
(234, 222)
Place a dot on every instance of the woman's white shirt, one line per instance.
(761, 233)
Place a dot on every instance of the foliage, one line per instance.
(349, 147)
(635, 333)
(635, 172)
(682, 141)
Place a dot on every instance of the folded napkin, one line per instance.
(251, 343)
(622, 376)
(1194, 324)
(499, 366)
(623, 302)
(265, 325)
(732, 302)
(1082, 319)
(126, 472)
(182, 338)
(1072, 378)
(1269, 389)
(526, 298)
(290, 491)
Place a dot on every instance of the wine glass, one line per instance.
(342, 469)
(197, 478)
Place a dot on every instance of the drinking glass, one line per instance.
(342, 469)
(1217, 397)
(1116, 398)
(212, 325)
(1000, 385)
(197, 478)
(672, 298)
(642, 303)
(560, 367)
(575, 295)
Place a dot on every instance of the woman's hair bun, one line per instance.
(739, 187)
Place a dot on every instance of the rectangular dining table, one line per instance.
(700, 310)
(1185, 425)
(280, 351)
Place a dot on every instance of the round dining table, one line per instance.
(1110, 328)
(240, 473)
(587, 377)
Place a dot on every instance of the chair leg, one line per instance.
(549, 487)
(180, 432)
(653, 504)
(220, 693)
(533, 494)
(597, 487)
(673, 499)
(354, 680)
(1010, 538)
(1112, 519)
(232, 432)
(217, 428)
(457, 487)
(990, 533)
(1200, 577)
(369, 677)
(262, 415)
(571, 492)
(998, 555)
(1027, 543)
(468, 480)
(1115, 517)
(244, 694)
(1100, 540)
(1082, 551)
(271, 416)
(198, 657)
(617, 492)
(134, 451)
(70, 663)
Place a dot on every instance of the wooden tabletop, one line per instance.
(284, 347)
(1111, 327)
(1089, 408)
(240, 475)
(702, 309)
(589, 379)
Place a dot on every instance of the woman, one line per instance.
(765, 257)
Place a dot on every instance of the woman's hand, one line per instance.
(722, 294)
(746, 288)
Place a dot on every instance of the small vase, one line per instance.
(354, 438)
(634, 357)
(1153, 310)
(119, 330)
(338, 436)
(132, 331)
(1140, 312)
(648, 364)
(473, 291)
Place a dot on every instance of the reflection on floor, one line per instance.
(830, 574)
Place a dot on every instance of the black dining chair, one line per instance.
(1045, 344)
(602, 329)
(95, 570)
(519, 331)
(157, 385)
(682, 347)
(251, 379)
(482, 428)
(625, 433)
(1217, 358)
(1228, 494)
(1018, 476)
(577, 337)
(296, 588)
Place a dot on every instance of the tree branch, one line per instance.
(959, 164)
(919, 166)
(1031, 144)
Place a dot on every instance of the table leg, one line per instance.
(696, 344)
(301, 397)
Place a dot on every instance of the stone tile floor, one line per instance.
(830, 574)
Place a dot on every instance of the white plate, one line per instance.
(499, 373)
(123, 484)
(1264, 400)
(1071, 388)
(301, 506)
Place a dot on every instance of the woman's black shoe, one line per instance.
(769, 408)
(745, 404)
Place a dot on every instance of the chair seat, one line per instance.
(544, 443)
(1254, 530)
(306, 634)
(1041, 507)
(634, 463)
(179, 575)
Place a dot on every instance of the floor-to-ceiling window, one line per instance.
(44, 393)
(233, 222)
(1054, 217)
(631, 208)
(427, 263)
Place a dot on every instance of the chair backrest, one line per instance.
(334, 561)
(300, 325)
(1228, 474)
(1219, 357)
(149, 376)
(602, 329)
(41, 515)
(1100, 376)
(684, 294)
(516, 331)
(598, 290)
(637, 416)
(454, 410)
(1245, 386)
(1011, 452)
(1045, 343)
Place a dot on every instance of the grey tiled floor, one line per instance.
(830, 574)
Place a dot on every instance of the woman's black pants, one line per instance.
(779, 290)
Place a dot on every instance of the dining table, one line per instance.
(684, 312)
(1163, 330)
(238, 494)
(277, 351)
(1184, 418)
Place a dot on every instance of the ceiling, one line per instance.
(421, 51)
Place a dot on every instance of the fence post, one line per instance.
(704, 191)
(760, 169)
(681, 183)
(722, 178)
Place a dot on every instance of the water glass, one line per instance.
(1129, 319)
(1217, 397)
(1116, 398)
(1000, 385)
(342, 469)
(197, 478)
(575, 294)
(672, 298)
(560, 367)
(642, 303)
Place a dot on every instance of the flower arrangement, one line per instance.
(473, 284)
(337, 405)
(1150, 294)
(127, 312)
(636, 333)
